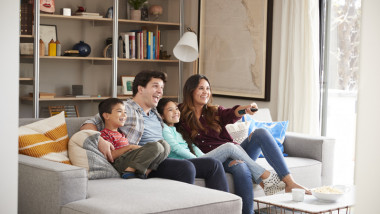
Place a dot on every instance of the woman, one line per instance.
(203, 124)
(179, 149)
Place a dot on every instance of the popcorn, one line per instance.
(328, 190)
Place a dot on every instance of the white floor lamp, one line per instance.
(186, 50)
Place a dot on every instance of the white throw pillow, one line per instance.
(238, 131)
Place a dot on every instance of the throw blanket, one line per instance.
(83, 152)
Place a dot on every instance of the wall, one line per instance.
(191, 20)
(9, 57)
(367, 170)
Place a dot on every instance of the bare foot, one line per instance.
(290, 184)
(289, 187)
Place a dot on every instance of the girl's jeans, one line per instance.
(261, 140)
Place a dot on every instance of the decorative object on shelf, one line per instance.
(26, 18)
(44, 95)
(136, 5)
(109, 13)
(127, 82)
(87, 14)
(144, 12)
(70, 110)
(83, 48)
(58, 48)
(52, 48)
(47, 6)
(187, 47)
(119, 90)
(26, 48)
(155, 11)
(66, 11)
(80, 9)
(107, 52)
(77, 90)
(42, 48)
(47, 33)
(71, 53)
(164, 54)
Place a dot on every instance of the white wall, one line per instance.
(9, 59)
(367, 170)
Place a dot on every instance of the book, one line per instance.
(86, 14)
(132, 45)
(144, 32)
(158, 43)
(45, 95)
(150, 45)
(83, 96)
(142, 45)
(154, 47)
(138, 45)
(124, 45)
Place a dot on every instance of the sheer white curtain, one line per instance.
(298, 90)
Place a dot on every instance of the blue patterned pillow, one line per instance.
(277, 129)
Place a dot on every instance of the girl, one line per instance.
(179, 149)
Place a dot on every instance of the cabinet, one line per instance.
(100, 76)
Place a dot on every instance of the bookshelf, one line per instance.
(100, 76)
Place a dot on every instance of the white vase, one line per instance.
(136, 15)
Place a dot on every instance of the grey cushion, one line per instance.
(152, 196)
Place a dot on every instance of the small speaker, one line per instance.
(77, 90)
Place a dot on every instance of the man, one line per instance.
(144, 124)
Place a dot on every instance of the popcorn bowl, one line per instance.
(330, 193)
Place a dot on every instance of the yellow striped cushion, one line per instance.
(45, 139)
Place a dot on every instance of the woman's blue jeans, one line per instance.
(261, 140)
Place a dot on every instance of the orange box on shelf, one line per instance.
(44, 95)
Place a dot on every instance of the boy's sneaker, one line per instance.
(273, 184)
(128, 175)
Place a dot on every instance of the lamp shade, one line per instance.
(186, 49)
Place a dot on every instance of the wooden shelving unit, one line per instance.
(114, 66)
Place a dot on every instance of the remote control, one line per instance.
(243, 110)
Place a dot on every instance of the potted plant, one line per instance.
(136, 5)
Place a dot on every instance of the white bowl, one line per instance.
(330, 196)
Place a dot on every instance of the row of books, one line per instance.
(139, 44)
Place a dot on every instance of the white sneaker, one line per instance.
(273, 184)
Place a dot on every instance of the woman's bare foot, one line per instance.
(290, 184)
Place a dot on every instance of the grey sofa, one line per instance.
(51, 187)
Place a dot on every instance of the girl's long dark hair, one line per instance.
(188, 116)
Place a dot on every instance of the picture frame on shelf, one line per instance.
(127, 82)
(48, 32)
(236, 52)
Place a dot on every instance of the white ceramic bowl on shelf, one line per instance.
(330, 193)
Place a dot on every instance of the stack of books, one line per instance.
(139, 44)
(87, 14)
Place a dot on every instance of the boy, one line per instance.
(130, 161)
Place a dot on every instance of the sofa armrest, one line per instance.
(44, 186)
(313, 147)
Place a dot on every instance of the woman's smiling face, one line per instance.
(202, 93)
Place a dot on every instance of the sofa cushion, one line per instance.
(238, 131)
(83, 152)
(153, 195)
(45, 139)
(277, 129)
